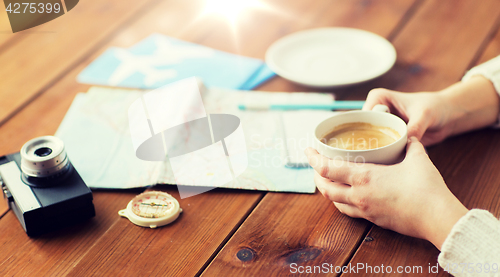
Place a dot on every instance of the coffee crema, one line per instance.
(360, 136)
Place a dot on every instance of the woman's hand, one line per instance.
(426, 113)
(410, 197)
(434, 116)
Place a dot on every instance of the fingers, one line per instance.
(414, 148)
(333, 191)
(377, 96)
(418, 124)
(349, 210)
(339, 194)
(431, 138)
(418, 120)
(336, 170)
(397, 102)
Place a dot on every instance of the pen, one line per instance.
(336, 105)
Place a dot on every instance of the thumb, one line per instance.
(414, 147)
(417, 125)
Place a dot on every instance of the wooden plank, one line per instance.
(5, 30)
(297, 228)
(435, 47)
(472, 175)
(42, 56)
(180, 249)
(4, 207)
(283, 17)
(469, 163)
(287, 229)
(434, 51)
(493, 47)
(56, 253)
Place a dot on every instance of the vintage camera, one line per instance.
(42, 187)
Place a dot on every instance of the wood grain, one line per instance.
(55, 254)
(5, 29)
(391, 16)
(43, 53)
(207, 223)
(492, 47)
(286, 229)
(468, 162)
(179, 249)
(38, 85)
(435, 48)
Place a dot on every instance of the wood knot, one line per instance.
(245, 254)
(415, 68)
(303, 255)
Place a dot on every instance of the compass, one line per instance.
(152, 209)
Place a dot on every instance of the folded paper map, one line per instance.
(99, 143)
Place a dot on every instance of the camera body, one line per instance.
(43, 189)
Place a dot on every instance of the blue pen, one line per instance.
(336, 105)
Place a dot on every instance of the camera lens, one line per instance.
(43, 157)
(43, 151)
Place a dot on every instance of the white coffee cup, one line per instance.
(378, 116)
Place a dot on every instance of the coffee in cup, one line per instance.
(360, 136)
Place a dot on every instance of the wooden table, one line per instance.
(233, 232)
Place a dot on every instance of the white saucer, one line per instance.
(331, 57)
